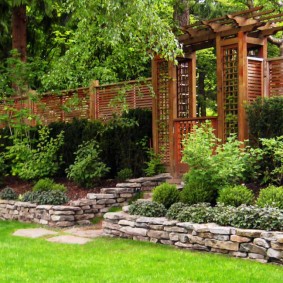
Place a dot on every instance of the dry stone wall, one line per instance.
(258, 245)
(78, 212)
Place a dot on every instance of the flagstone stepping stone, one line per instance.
(83, 232)
(69, 239)
(34, 233)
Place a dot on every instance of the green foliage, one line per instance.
(138, 195)
(52, 197)
(271, 196)
(147, 208)
(8, 194)
(175, 209)
(48, 185)
(247, 217)
(197, 213)
(235, 196)
(154, 165)
(166, 194)
(197, 192)
(30, 162)
(115, 209)
(212, 165)
(124, 174)
(265, 118)
(88, 166)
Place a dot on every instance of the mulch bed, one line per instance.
(74, 191)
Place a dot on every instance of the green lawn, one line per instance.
(117, 260)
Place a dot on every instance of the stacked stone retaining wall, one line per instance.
(78, 212)
(258, 245)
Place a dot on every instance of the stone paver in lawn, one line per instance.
(86, 232)
(34, 233)
(68, 239)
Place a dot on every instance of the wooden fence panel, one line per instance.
(275, 85)
(255, 78)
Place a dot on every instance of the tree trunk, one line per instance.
(201, 94)
(19, 31)
(181, 12)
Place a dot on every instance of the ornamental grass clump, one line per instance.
(147, 208)
(271, 196)
(235, 196)
(166, 194)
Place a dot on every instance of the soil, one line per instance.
(74, 191)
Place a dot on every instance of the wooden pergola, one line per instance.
(243, 74)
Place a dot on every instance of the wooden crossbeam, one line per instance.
(241, 21)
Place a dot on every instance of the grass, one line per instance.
(118, 260)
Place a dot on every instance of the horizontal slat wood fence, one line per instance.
(89, 103)
(275, 76)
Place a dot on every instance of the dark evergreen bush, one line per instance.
(8, 194)
(55, 197)
(175, 209)
(265, 118)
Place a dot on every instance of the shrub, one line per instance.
(88, 167)
(212, 165)
(175, 209)
(197, 193)
(265, 118)
(30, 162)
(235, 196)
(197, 213)
(47, 184)
(271, 196)
(54, 197)
(147, 208)
(166, 194)
(8, 194)
(154, 165)
(124, 174)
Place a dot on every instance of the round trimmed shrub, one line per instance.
(193, 194)
(8, 194)
(175, 209)
(235, 196)
(166, 194)
(124, 174)
(147, 208)
(46, 184)
(271, 196)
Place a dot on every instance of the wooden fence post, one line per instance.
(93, 110)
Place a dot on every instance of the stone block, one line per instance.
(151, 220)
(206, 235)
(84, 217)
(64, 224)
(44, 207)
(239, 254)
(183, 238)
(255, 256)
(220, 230)
(221, 237)
(114, 215)
(134, 231)
(126, 196)
(158, 234)
(277, 246)
(170, 223)
(126, 223)
(175, 229)
(62, 218)
(261, 242)
(110, 226)
(227, 245)
(128, 185)
(271, 236)
(219, 251)
(240, 239)
(66, 208)
(198, 247)
(252, 233)
(183, 245)
(252, 248)
(275, 254)
(174, 237)
(61, 212)
(166, 242)
(156, 227)
(141, 238)
(196, 240)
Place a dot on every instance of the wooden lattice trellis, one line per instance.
(230, 90)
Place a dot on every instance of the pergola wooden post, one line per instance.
(241, 49)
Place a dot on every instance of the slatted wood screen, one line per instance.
(255, 78)
(230, 90)
(76, 103)
(162, 102)
(183, 89)
(134, 94)
(275, 79)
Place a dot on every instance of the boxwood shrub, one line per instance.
(235, 196)
(166, 194)
(8, 194)
(271, 196)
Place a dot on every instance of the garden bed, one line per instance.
(260, 245)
